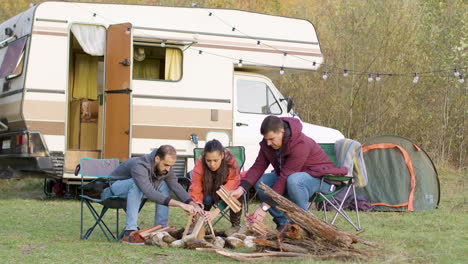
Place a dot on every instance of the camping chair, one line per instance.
(348, 153)
(239, 155)
(98, 171)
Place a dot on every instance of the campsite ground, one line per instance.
(38, 230)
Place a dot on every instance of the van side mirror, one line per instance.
(290, 102)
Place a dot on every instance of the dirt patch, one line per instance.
(29, 248)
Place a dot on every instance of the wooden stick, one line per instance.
(226, 191)
(144, 233)
(187, 226)
(196, 230)
(228, 200)
(211, 229)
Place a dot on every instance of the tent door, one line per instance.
(117, 129)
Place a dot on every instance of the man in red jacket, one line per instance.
(298, 162)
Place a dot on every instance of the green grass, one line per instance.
(38, 230)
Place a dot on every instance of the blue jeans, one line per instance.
(300, 186)
(128, 189)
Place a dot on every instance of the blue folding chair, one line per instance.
(98, 171)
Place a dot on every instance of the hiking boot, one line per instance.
(235, 218)
(132, 238)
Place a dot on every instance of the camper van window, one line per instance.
(256, 98)
(157, 63)
(12, 63)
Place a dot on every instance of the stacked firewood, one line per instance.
(309, 235)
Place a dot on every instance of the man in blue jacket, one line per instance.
(150, 176)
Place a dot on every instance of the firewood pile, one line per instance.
(194, 236)
(309, 235)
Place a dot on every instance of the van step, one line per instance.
(58, 161)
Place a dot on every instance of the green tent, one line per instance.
(401, 175)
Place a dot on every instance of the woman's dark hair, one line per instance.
(212, 180)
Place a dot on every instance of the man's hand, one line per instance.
(198, 208)
(237, 192)
(258, 215)
(210, 215)
(190, 209)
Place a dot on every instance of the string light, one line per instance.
(325, 75)
(377, 77)
(416, 78)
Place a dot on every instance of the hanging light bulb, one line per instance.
(282, 70)
(345, 73)
(416, 78)
(370, 79)
(456, 72)
(163, 44)
(240, 63)
(461, 80)
(377, 78)
(325, 75)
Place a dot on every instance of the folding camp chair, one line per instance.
(348, 153)
(239, 155)
(98, 171)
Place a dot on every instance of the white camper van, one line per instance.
(115, 81)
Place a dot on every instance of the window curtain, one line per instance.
(146, 69)
(91, 38)
(85, 79)
(173, 64)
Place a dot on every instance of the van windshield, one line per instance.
(12, 64)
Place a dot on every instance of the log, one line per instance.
(280, 246)
(311, 223)
(145, 233)
(294, 231)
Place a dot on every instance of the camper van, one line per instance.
(115, 81)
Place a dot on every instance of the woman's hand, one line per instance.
(237, 192)
(210, 215)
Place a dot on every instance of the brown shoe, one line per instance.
(133, 238)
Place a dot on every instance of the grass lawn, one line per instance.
(38, 230)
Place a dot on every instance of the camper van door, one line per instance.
(117, 104)
(255, 98)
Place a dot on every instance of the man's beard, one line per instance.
(158, 172)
